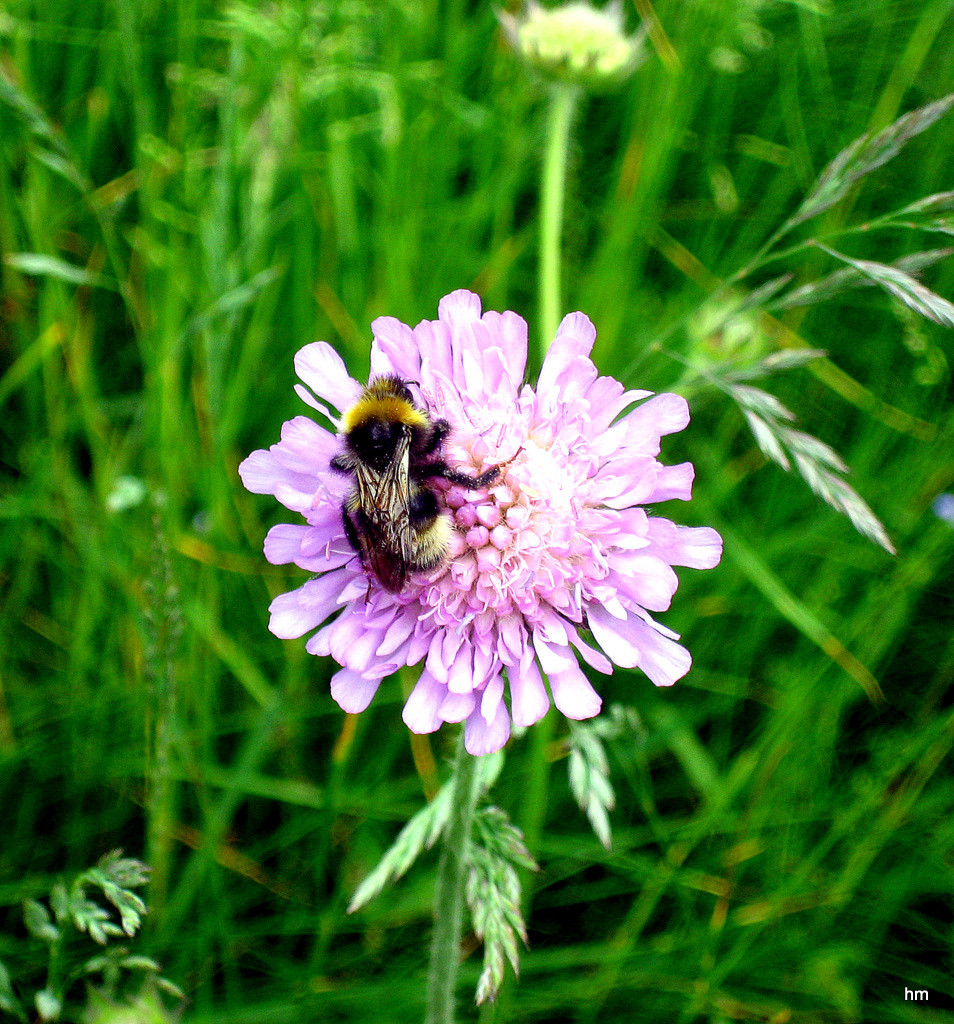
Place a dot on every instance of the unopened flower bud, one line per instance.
(575, 43)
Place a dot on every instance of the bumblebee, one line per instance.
(392, 516)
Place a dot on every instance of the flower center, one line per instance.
(522, 545)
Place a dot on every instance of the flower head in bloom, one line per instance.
(575, 43)
(558, 544)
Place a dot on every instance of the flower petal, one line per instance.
(663, 414)
(510, 332)
(437, 357)
(295, 613)
(614, 636)
(310, 548)
(326, 528)
(493, 695)
(262, 473)
(455, 707)
(633, 643)
(593, 658)
(320, 367)
(662, 659)
(395, 349)
(460, 675)
(353, 692)
(305, 447)
(673, 482)
(481, 737)
(397, 633)
(528, 696)
(330, 555)
(646, 579)
(309, 399)
(629, 482)
(577, 333)
(283, 543)
(459, 308)
(698, 547)
(421, 710)
(567, 370)
(352, 640)
(441, 657)
(572, 692)
(607, 399)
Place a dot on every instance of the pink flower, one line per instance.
(557, 544)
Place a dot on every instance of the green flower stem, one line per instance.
(449, 899)
(536, 793)
(563, 98)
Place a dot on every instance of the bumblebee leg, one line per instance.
(473, 482)
(350, 532)
(439, 431)
(342, 463)
(438, 469)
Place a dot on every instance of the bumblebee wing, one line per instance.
(379, 509)
(391, 502)
(390, 572)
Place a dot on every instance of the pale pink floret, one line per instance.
(557, 544)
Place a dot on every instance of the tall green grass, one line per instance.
(200, 189)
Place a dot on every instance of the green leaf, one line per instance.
(127, 872)
(56, 155)
(420, 833)
(590, 779)
(91, 918)
(38, 264)
(60, 902)
(39, 923)
(489, 768)
(786, 359)
(96, 964)
(140, 963)
(171, 987)
(8, 999)
(234, 300)
(48, 1005)
(914, 262)
(113, 875)
(759, 297)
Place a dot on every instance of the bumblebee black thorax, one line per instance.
(375, 441)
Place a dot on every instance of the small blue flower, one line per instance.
(943, 508)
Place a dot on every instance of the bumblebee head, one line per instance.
(381, 419)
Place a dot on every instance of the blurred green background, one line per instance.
(189, 192)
